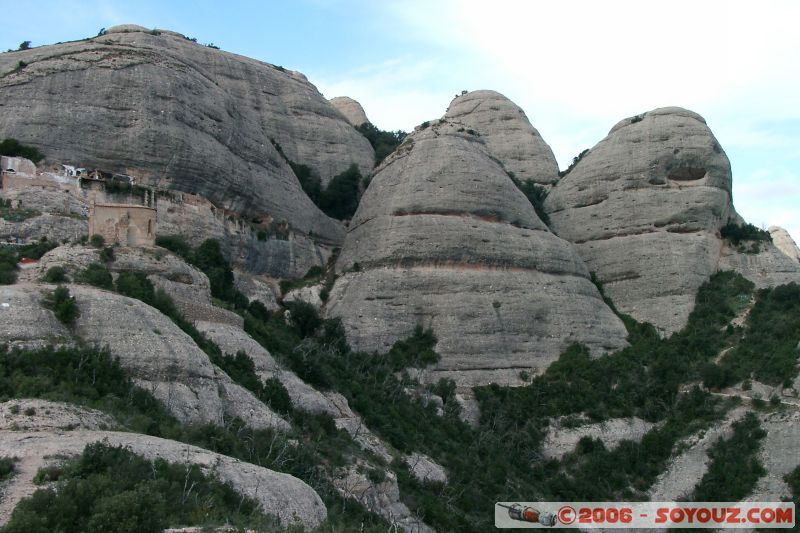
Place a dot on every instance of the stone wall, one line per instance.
(128, 225)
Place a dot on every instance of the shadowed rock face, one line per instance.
(507, 133)
(444, 239)
(784, 242)
(644, 207)
(178, 114)
(351, 110)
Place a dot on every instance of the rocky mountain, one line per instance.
(307, 378)
(644, 209)
(444, 239)
(177, 114)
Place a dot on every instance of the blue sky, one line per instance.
(575, 66)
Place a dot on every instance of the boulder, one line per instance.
(644, 207)
(443, 239)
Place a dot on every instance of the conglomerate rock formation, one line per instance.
(443, 239)
(644, 208)
(507, 133)
(173, 113)
(351, 110)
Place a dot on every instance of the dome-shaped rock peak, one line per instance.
(644, 208)
(443, 239)
(351, 110)
(507, 133)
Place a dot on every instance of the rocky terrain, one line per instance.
(446, 237)
(644, 208)
(173, 113)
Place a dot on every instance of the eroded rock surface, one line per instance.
(351, 110)
(281, 495)
(443, 239)
(784, 242)
(158, 355)
(508, 134)
(644, 207)
(561, 441)
(181, 115)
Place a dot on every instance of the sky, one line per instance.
(576, 67)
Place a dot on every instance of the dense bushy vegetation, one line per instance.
(734, 467)
(499, 460)
(383, 142)
(11, 255)
(13, 148)
(536, 195)
(7, 468)
(339, 199)
(63, 305)
(768, 352)
(736, 233)
(111, 489)
(97, 275)
(209, 258)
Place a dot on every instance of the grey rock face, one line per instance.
(767, 268)
(643, 208)
(561, 441)
(351, 110)
(160, 357)
(181, 115)
(784, 242)
(425, 469)
(508, 134)
(442, 238)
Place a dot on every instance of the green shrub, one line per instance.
(734, 468)
(575, 161)
(8, 266)
(136, 285)
(107, 254)
(96, 274)
(175, 244)
(63, 305)
(746, 232)
(111, 489)
(97, 240)
(304, 317)
(55, 274)
(7, 467)
(13, 148)
(383, 142)
(340, 198)
(536, 195)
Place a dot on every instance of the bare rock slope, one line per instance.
(443, 239)
(644, 207)
(177, 114)
(507, 133)
(158, 355)
(351, 110)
